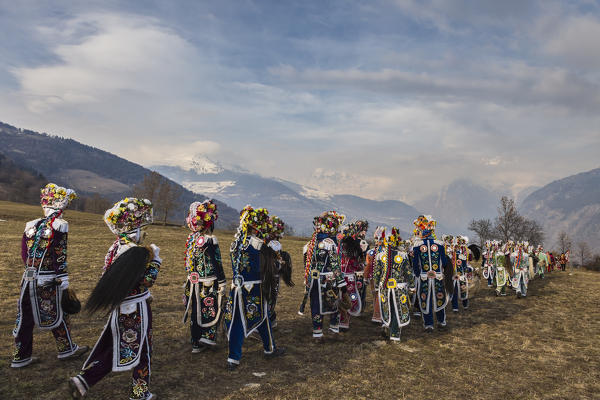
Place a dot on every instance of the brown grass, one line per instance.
(546, 346)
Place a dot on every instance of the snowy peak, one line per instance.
(204, 165)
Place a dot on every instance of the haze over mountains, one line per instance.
(571, 204)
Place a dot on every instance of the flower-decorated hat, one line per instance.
(202, 215)
(379, 234)
(424, 226)
(56, 197)
(328, 222)
(257, 219)
(394, 238)
(128, 214)
(277, 228)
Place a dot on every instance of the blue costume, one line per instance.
(429, 261)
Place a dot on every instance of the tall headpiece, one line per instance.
(257, 219)
(128, 214)
(394, 238)
(277, 228)
(328, 222)
(424, 226)
(56, 197)
(202, 216)
(379, 234)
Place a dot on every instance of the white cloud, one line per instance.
(575, 41)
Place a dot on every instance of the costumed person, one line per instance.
(503, 266)
(124, 291)
(458, 255)
(379, 239)
(520, 261)
(323, 278)
(393, 276)
(542, 263)
(44, 253)
(352, 266)
(435, 272)
(254, 266)
(562, 259)
(205, 285)
(284, 264)
(487, 263)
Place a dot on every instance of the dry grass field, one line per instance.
(546, 346)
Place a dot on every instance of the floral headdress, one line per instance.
(356, 230)
(257, 219)
(128, 214)
(394, 239)
(424, 226)
(448, 239)
(56, 197)
(277, 228)
(202, 216)
(328, 222)
(379, 234)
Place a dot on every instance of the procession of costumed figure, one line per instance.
(379, 240)
(458, 255)
(123, 290)
(487, 263)
(352, 263)
(45, 280)
(434, 272)
(205, 285)
(325, 284)
(283, 264)
(394, 278)
(254, 266)
(520, 262)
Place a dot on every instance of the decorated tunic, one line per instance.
(325, 273)
(394, 278)
(488, 269)
(502, 275)
(129, 323)
(352, 269)
(44, 253)
(520, 261)
(246, 296)
(205, 280)
(429, 261)
(462, 271)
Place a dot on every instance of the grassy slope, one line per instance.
(545, 346)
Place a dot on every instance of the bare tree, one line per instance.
(167, 198)
(583, 251)
(530, 231)
(149, 187)
(564, 242)
(483, 228)
(508, 222)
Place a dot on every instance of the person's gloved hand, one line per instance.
(156, 251)
(64, 283)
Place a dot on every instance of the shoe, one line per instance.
(518, 295)
(416, 314)
(198, 348)
(33, 360)
(76, 388)
(232, 366)
(344, 329)
(428, 329)
(455, 309)
(497, 293)
(318, 340)
(81, 350)
(278, 352)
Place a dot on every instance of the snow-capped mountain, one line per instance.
(296, 204)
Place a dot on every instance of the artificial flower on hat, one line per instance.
(56, 197)
(202, 215)
(128, 214)
(328, 222)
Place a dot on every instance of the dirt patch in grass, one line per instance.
(545, 346)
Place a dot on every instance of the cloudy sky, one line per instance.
(386, 99)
